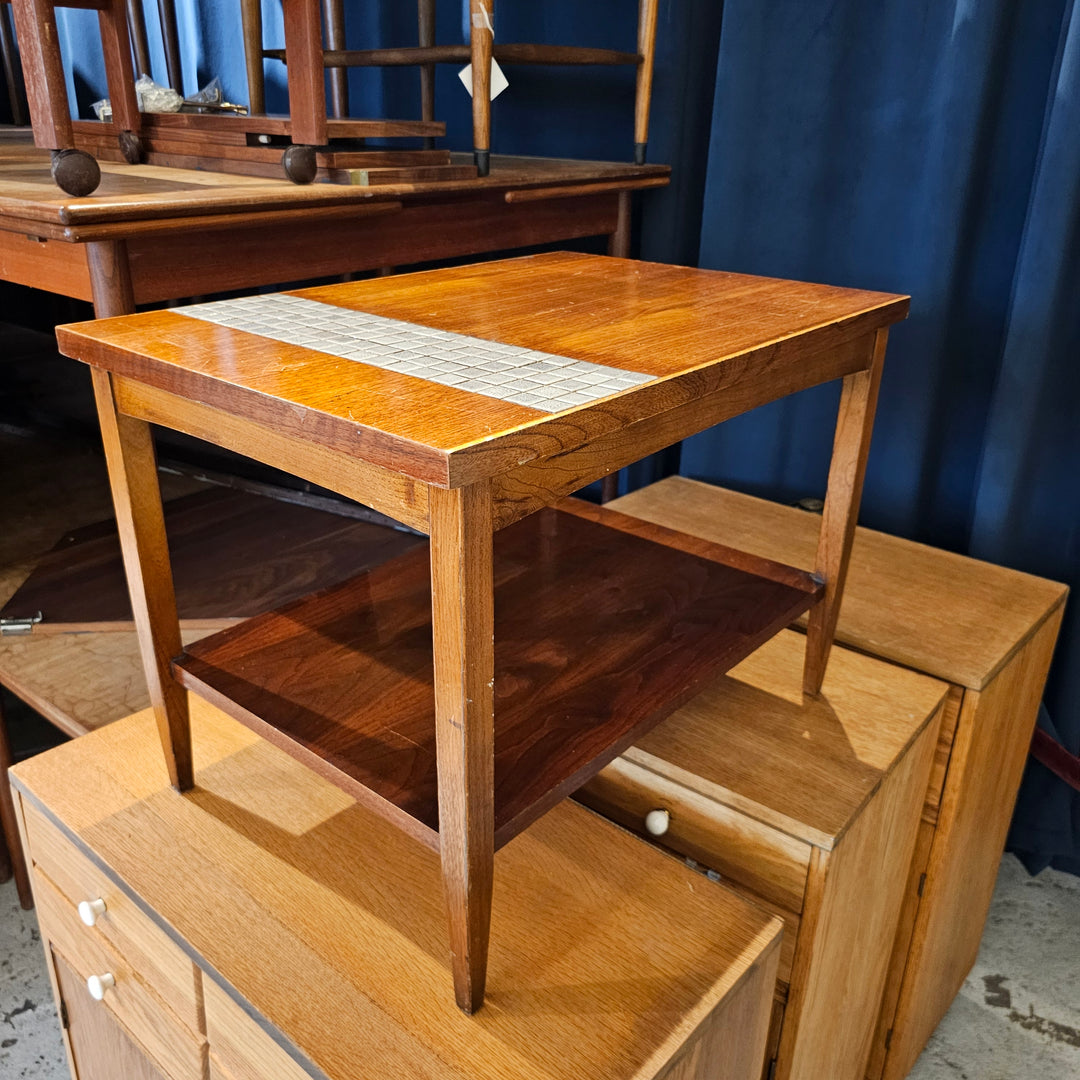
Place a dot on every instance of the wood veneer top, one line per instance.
(807, 767)
(599, 633)
(605, 953)
(142, 192)
(935, 611)
(680, 332)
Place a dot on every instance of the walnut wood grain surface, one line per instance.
(598, 634)
(606, 955)
(233, 555)
(694, 332)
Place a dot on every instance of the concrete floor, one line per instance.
(1017, 1017)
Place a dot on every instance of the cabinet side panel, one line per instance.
(730, 1045)
(991, 748)
(845, 944)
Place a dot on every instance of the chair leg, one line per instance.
(481, 43)
(12, 69)
(851, 446)
(463, 639)
(306, 72)
(251, 16)
(170, 39)
(136, 20)
(46, 85)
(643, 97)
(10, 826)
(426, 21)
(120, 76)
(334, 14)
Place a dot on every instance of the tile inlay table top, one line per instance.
(463, 689)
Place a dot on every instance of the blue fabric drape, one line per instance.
(1027, 500)
(931, 148)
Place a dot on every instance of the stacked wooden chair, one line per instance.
(310, 141)
(479, 51)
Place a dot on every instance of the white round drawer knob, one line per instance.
(657, 822)
(98, 984)
(91, 910)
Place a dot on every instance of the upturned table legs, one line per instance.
(129, 453)
(463, 638)
(851, 446)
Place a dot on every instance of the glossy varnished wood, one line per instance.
(732, 330)
(391, 434)
(598, 635)
(355, 915)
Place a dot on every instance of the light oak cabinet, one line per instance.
(265, 925)
(809, 808)
(986, 631)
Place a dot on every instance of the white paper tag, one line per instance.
(499, 82)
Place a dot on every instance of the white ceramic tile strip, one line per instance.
(507, 372)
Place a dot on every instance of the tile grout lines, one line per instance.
(509, 373)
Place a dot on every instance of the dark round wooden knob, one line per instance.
(131, 147)
(75, 172)
(299, 164)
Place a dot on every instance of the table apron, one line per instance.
(190, 264)
(397, 496)
(544, 480)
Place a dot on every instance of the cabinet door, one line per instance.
(102, 1051)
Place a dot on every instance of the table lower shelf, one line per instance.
(604, 625)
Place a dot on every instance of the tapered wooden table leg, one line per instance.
(463, 633)
(129, 453)
(851, 446)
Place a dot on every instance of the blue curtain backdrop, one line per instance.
(930, 147)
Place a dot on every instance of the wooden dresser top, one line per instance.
(454, 375)
(606, 955)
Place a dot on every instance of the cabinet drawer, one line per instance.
(762, 859)
(178, 1052)
(240, 1048)
(145, 946)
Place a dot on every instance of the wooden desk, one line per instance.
(267, 927)
(460, 402)
(150, 234)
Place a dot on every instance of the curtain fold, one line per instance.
(1027, 497)
(930, 148)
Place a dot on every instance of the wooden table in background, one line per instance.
(150, 234)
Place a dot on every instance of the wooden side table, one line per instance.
(460, 402)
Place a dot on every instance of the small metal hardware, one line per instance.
(19, 626)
